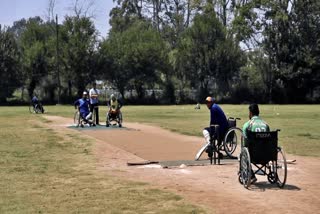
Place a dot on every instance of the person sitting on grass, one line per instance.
(255, 124)
(83, 105)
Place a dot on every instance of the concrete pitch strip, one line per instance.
(166, 150)
(181, 163)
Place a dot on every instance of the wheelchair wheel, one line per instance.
(281, 168)
(245, 167)
(31, 109)
(40, 108)
(120, 119)
(76, 118)
(232, 142)
(272, 178)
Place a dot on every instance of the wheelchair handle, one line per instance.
(232, 118)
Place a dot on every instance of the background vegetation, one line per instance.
(169, 51)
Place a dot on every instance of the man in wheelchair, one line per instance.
(114, 113)
(255, 124)
(217, 117)
(83, 106)
(37, 106)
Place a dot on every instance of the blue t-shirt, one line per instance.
(217, 117)
(34, 99)
(83, 106)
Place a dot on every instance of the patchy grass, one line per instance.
(43, 172)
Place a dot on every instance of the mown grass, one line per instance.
(44, 172)
(299, 124)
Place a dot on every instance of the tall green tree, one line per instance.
(10, 70)
(79, 48)
(292, 42)
(208, 57)
(34, 48)
(136, 56)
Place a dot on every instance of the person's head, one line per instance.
(94, 85)
(253, 110)
(209, 102)
(113, 97)
(84, 94)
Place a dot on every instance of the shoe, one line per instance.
(93, 124)
(253, 180)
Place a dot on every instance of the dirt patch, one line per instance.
(213, 186)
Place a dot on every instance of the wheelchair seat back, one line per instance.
(232, 122)
(263, 146)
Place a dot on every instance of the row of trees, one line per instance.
(236, 50)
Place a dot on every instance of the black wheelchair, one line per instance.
(262, 152)
(114, 117)
(36, 108)
(230, 142)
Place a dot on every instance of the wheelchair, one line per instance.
(262, 152)
(36, 108)
(230, 142)
(114, 117)
(79, 121)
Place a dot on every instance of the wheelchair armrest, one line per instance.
(214, 125)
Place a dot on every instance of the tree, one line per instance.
(79, 47)
(136, 55)
(209, 59)
(34, 48)
(10, 71)
(292, 42)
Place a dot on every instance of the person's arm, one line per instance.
(119, 104)
(245, 128)
(76, 104)
(212, 116)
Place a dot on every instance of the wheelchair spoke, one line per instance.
(281, 168)
(245, 168)
(232, 142)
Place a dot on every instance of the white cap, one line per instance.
(84, 92)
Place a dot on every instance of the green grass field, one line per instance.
(43, 171)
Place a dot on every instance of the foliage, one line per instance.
(79, 38)
(10, 69)
(136, 56)
(208, 58)
(238, 51)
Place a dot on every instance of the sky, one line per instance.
(14, 10)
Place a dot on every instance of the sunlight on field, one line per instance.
(43, 171)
